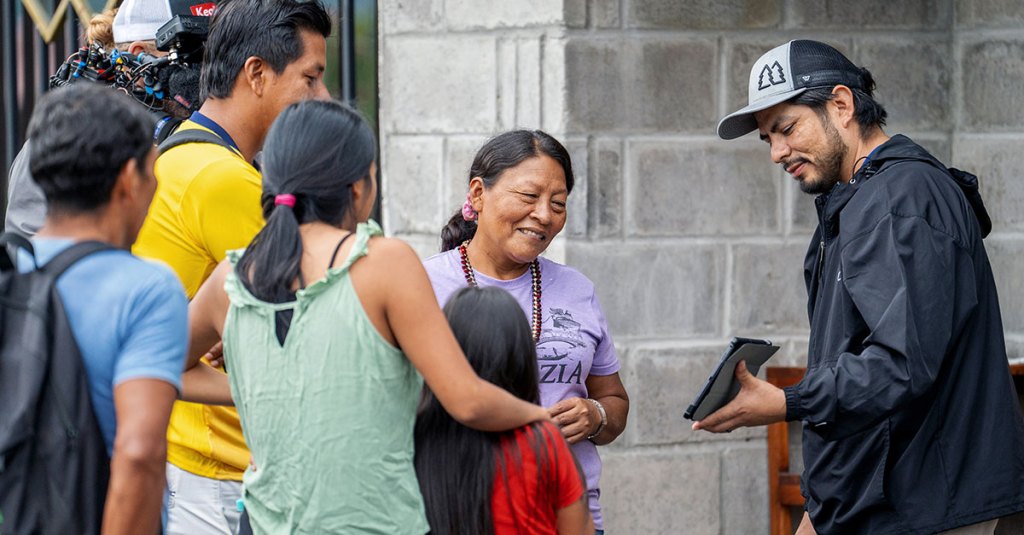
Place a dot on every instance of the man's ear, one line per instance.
(476, 193)
(126, 185)
(253, 73)
(842, 104)
(137, 47)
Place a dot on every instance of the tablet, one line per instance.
(722, 386)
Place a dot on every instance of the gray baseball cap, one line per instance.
(783, 73)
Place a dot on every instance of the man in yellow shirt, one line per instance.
(261, 56)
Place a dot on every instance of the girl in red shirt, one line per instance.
(524, 481)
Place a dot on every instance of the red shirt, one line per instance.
(528, 504)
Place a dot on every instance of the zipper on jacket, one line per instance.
(821, 262)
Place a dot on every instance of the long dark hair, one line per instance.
(315, 150)
(456, 465)
(499, 154)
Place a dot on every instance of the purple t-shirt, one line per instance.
(574, 341)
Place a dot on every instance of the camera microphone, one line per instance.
(149, 59)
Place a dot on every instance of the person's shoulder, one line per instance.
(124, 277)
(440, 263)
(204, 160)
(390, 253)
(564, 275)
(144, 273)
(909, 175)
(908, 188)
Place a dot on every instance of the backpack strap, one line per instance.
(182, 137)
(66, 258)
(17, 241)
(165, 127)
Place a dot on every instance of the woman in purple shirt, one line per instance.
(518, 186)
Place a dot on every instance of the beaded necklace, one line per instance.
(535, 320)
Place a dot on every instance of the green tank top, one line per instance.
(328, 415)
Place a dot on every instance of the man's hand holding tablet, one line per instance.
(733, 397)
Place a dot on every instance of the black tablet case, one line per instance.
(722, 386)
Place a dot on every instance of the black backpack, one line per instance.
(54, 466)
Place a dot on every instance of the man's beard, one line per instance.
(830, 163)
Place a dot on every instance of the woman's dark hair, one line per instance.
(868, 113)
(456, 465)
(315, 150)
(268, 29)
(499, 154)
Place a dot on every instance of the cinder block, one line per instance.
(992, 75)
(507, 83)
(868, 14)
(998, 166)
(438, 85)
(705, 14)
(671, 290)
(606, 193)
(1005, 255)
(425, 245)
(802, 210)
(989, 13)
(605, 14)
(768, 290)
(745, 489)
(487, 15)
(554, 92)
(577, 210)
(641, 84)
(914, 77)
(741, 56)
(1015, 349)
(397, 16)
(410, 184)
(792, 352)
(671, 492)
(528, 84)
(665, 382)
(716, 188)
(575, 13)
(459, 153)
(941, 147)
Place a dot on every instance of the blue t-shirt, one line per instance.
(129, 317)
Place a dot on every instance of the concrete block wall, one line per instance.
(689, 239)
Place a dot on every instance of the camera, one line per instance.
(183, 36)
(168, 85)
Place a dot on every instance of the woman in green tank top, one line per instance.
(325, 325)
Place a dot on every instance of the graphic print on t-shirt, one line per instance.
(560, 342)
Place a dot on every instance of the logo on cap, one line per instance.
(203, 10)
(770, 75)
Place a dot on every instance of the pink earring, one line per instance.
(468, 213)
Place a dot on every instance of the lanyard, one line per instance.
(208, 123)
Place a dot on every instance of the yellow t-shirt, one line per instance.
(207, 202)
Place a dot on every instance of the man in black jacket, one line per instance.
(911, 424)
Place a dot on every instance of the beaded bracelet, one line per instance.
(604, 418)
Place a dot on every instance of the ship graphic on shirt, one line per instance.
(558, 348)
(559, 335)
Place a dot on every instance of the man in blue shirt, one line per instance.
(128, 316)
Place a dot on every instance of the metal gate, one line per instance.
(36, 36)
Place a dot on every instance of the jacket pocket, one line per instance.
(847, 479)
